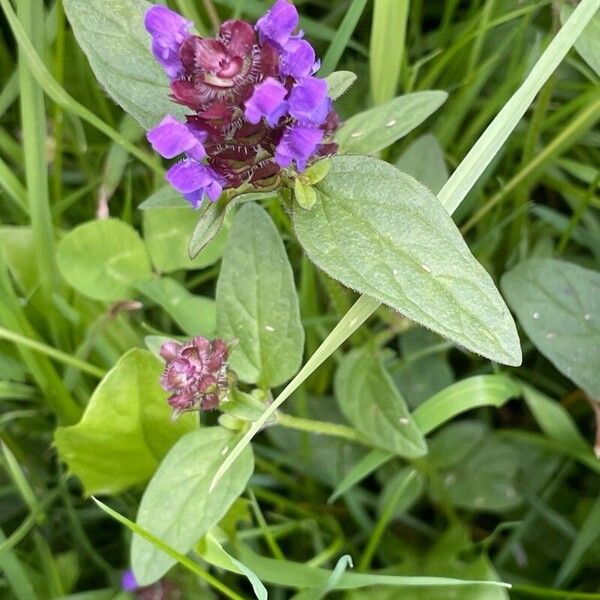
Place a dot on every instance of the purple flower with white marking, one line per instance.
(171, 138)
(168, 30)
(298, 59)
(268, 101)
(279, 23)
(195, 181)
(255, 106)
(298, 144)
(309, 102)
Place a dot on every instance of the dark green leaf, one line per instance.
(424, 160)
(558, 305)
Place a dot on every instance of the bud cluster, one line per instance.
(257, 107)
(195, 374)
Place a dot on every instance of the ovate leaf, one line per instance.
(114, 39)
(371, 402)
(383, 234)
(558, 305)
(177, 506)
(257, 302)
(125, 430)
(104, 259)
(379, 127)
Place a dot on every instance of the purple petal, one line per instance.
(171, 138)
(298, 59)
(309, 102)
(168, 30)
(195, 180)
(279, 22)
(268, 100)
(128, 582)
(298, 144)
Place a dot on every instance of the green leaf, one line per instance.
(17, 248)
(125, 430)
(588, 42)
(481, 390)
(113, 37)
(388, 35)
(424, 160)
(257, 302)
(165, 197)
(380, 127)
(480, 470)
(553, 419)
(167, 232)
(383, 234)
(339, 82)
(371, 402)
(448, 557)
(558, 305)
(104, 259)
(305, 195)
(195, 315)
(177, 506)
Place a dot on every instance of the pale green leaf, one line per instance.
(339, 82)
(558, 305)
(369, 400)
(380, 127)
(165, 197)
(167, 232)
(125, 430)
(195, 315)
(177, 506)
(382, 233)
(104, 259)
(257, 302)
(114, 39)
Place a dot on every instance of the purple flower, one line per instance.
(268, 101)
(195, 181)
(203, 364)
(171, 138)
(298, 144)
(298, 59)
(128, 582)
(279, 23)
(168, 30)
(309, 102)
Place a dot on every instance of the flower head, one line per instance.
(256, 105)
(195, 374)
(128, 581)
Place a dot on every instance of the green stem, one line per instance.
(33, 123)
(63, 357)
(540, 592)
(322, 428)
